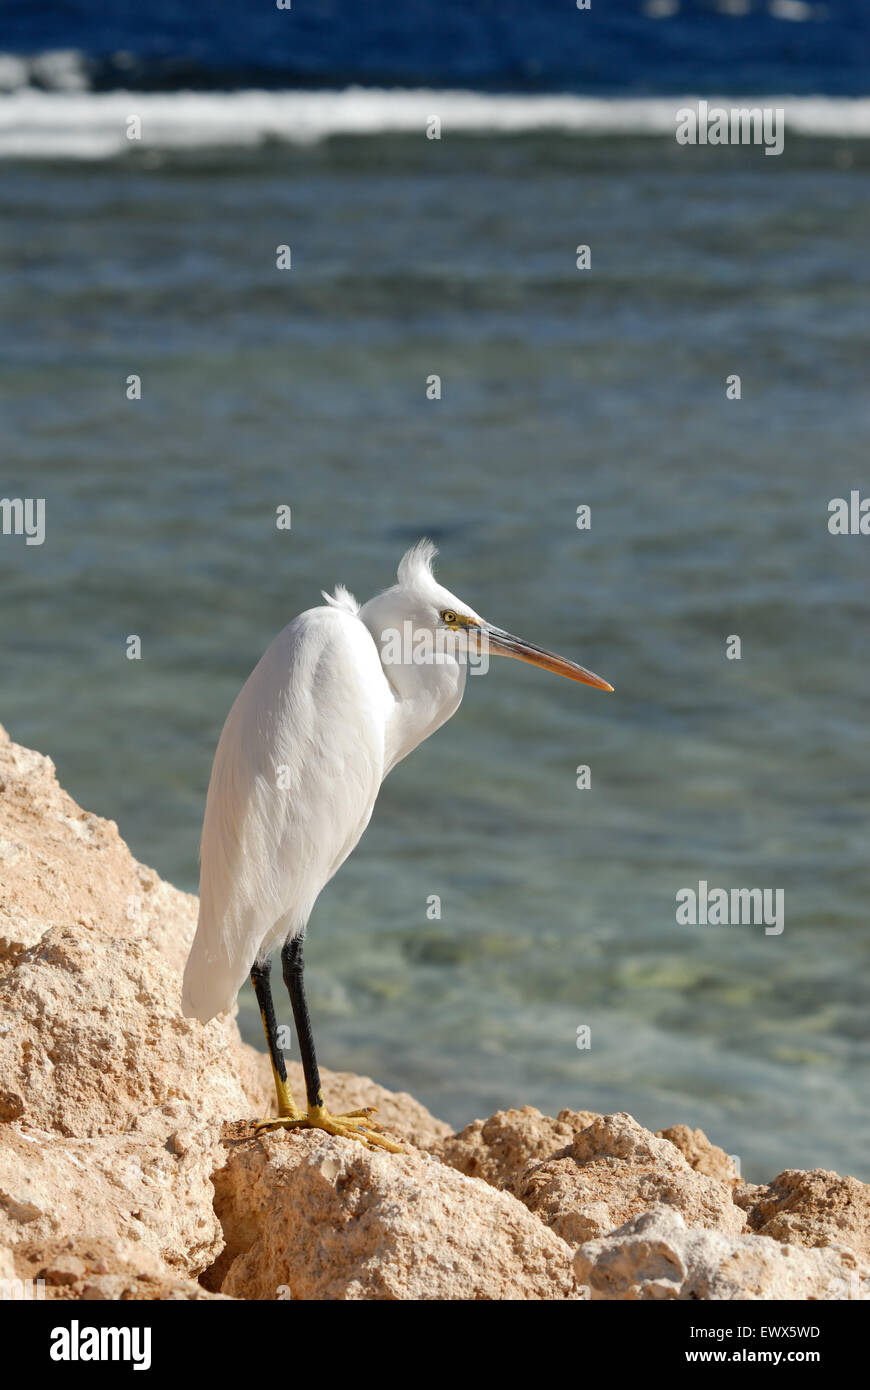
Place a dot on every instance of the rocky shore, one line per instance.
(129, 1168)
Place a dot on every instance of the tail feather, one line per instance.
(211, 981)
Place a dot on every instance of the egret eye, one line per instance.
(448, 616)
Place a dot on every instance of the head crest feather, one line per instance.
(416, 564)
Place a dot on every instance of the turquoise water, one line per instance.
(559, 388)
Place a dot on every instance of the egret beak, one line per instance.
(503, 644)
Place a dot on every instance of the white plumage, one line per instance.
(311, 736)
(296, 774)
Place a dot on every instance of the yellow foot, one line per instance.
(273, 1121)
(355, 1124)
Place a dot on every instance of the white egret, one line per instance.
(330, 708)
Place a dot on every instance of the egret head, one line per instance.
(419, 613)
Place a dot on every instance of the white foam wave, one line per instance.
(61, 69)
(93, 125)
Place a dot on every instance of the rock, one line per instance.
(309, 1217)
(149, 1187)
(613, 1170)
(655, 1256)
(129, 1168)
(111, 1103)
(62, 866)
(98, 1038)
(501, 1148)
(64, 1268)
(91, 945)
(90, 1268)
(810, 1209)
(700, 1154)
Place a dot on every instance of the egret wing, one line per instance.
(295, 777)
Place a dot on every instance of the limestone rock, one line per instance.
(700, 1154)
(62, 866)
(111, 1103)
(654, 1256)
(613, 1170)
(94, 1269)
(310, 1217)
(149, 1187)
(93, 1036)
(501, 1148)
(91, 945)
(811, 1209)
(129, 1170)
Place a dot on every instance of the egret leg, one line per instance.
(287, 1107)
(356, 1124)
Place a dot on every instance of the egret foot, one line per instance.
(355, 1124)
(273, 1121)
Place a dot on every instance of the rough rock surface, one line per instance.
(655, 1256)
(615, 1169)
(816, 1208)
(99, 1038)
(149, 1186)
(93, 1269)
(501, 1148)
(700, 1154)
(128, 1166)
(315, 1219)
(61, 866)
(90, 948)
(111, 1103)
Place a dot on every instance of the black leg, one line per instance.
(291, 960)
(262, 988)
(355, 1124)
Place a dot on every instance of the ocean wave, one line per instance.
(76, 124)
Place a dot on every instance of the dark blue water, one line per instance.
(628, 46)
